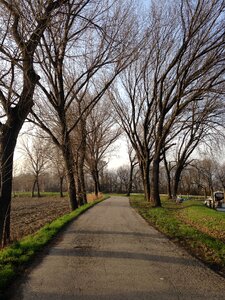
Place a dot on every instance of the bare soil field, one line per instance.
(29, 214)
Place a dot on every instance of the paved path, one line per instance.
(110, 252)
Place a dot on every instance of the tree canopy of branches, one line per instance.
(37, 156)
(102, 131)
(200, 125)
(22, 26)
(82, 52)
(182, 63)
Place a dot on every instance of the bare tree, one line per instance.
(133, 162)
(206, 169)
(192, 70)
(200, 125)
(117, 181)
(184, 63)
(220, 175)
(136, 114)
(109, 181)
(79, 142)
(122, 178)
(22, 26)
(37, 159)
(102, 131)
(55, 156)
(82, 52)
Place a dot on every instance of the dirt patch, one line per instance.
(30, 214)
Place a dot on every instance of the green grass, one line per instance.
(199, 229)
(14, 259)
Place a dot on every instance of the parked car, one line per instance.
(216, 201)
(179, 199)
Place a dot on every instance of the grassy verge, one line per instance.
(199, 229)
(14, 259)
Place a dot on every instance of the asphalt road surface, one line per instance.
(110, 252)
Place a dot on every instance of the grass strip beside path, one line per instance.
(14, 258)
(199, 229)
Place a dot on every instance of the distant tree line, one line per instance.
(201, 177)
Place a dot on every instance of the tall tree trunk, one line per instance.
(38, 188)
(96, 187)
(78, 184)
(82, 183)
(8, 138)
(33, 188)
(7, 145)
(69, 165)
(81, 159)
(61, 186)
(176, 182)
(95, 177)
(17, 112)
(36, 184)
(168, 170)
(145, 174)
(129, 189)
(155, 196)
(169, 189)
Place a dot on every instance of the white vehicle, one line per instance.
(217, 201)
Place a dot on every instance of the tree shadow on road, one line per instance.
(89, 252)
(78, 294)
(156, 236)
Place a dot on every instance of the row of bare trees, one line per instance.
(82, 51)
(199, 177)
(202, 177)
(171, 98)
(91, 146)
(58, 59)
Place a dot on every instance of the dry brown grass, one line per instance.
(92, 197)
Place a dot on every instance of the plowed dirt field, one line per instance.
(30, 214)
